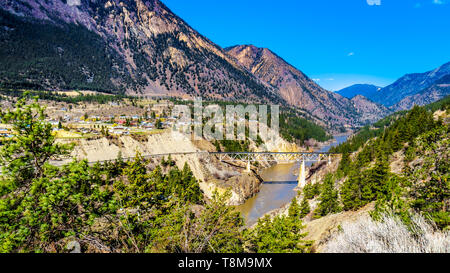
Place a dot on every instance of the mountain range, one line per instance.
(411, 89)
(409, 85)
(366, 90)
(141, 47)
(297, 89)
(438, 90)
(137, 47)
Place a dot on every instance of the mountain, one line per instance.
(296, 88)
(437, 91)
(370, 111)
(409, 85)
(122, 46)
(142, 47)
(366, 90)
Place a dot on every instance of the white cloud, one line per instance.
(316, 80)
(330, 79)
(351, 54)
(438, 2)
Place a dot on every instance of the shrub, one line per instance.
(390, 235)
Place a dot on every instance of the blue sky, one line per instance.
(335, 42)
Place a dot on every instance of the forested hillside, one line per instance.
(401, 163)
(40, 55)
(293, 127)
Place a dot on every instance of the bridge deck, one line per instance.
(237, 156)
(245, 156)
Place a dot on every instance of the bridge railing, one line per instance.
(235, 156)
(274, 156)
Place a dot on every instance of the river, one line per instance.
(277, 189)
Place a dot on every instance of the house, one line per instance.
(119, 130)
(4, 132)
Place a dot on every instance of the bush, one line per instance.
(389, 235)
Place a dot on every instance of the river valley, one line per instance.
(278, 187)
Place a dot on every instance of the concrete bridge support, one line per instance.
(302, 175)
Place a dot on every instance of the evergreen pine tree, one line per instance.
(328, 198)
(304, 208)
(294, 209)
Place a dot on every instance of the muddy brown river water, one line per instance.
(277, 189)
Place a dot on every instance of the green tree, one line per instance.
(366, 186)
(143, 189)
(328, 200)
(304, 208)
(43, 204)
(294, 208)
(310, 191)
(431, 185)
(344, 164)
(213, 229)
(23, 156)
(392, 199)
(60, 204)
(159, 124)
(375, 179)
(189, 188)
(278, 235)
(351, 192)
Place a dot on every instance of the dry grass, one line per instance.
(389, 235)
(67, 134)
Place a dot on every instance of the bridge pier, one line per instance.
(302, 175)
(249, 169)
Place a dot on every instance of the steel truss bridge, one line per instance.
(246, 157)
(249, 157)
(279, 157)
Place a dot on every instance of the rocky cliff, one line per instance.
(211, 173)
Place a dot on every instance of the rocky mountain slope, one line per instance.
(409, 85)
(296, 88)
(366, 90)
(370, 111)
(141, 47)
(435, 92)
(134, 47)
